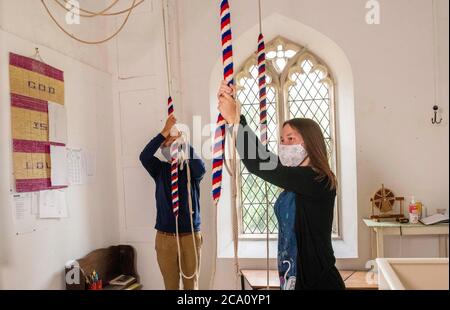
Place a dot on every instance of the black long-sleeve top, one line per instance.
(314, 210)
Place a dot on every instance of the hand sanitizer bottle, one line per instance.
(413, 212)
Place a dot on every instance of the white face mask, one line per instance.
(166, 153)
(292, 155)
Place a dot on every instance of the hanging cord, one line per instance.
(435, 52)
(260, 16)
(179, 159)
(37, 55)
(263, 125)
(228, 74)
(213, 268)
(92, 14)
(184, 161)
(102, 12)
(232, 163)
(219, 149)
(166, 47)
(85, 41)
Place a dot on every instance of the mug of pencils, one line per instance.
(93, 281)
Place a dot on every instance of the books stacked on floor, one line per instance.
(123, 282)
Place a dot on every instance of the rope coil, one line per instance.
(219, 160)
(228, 72)
(102, 13)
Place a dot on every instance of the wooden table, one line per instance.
(382, 229)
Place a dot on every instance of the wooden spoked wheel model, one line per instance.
(383, 205)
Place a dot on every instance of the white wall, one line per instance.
(392, 67)
(29, 21)
(36, 260)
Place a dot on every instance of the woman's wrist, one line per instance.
(234, 121)
(165, 133)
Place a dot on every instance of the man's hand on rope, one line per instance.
(170, 122)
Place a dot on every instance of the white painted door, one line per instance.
(140, 112)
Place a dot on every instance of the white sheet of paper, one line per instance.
(76, 167)
(61, 200)
(91, 164)
(35, 203)
(24, 221)
(57, 123)
(59, 171)
(53, 204)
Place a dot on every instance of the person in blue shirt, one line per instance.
(166, 242)
(287, 241)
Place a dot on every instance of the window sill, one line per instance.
(256, 248)
(273, 237)
(257, 237)
(250, 248)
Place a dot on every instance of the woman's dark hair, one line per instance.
(315, 146)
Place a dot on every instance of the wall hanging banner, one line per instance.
(33, 84)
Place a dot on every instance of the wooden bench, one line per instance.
(108, 263)
(257, 279)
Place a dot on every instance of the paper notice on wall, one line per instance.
(59, 171)
(76, 167)
(57, 123)
(53, 204)
(62, 205)
(24, 221)
(35, 203)
(90, 163)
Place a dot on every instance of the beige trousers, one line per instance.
(167, 256)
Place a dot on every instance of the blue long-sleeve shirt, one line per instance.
(160, 172)
(285, 208)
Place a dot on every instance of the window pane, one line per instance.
(256, 194)
(309, 98)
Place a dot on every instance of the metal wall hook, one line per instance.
(434, 120)
(37, 55)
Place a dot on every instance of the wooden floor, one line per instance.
(359, 280)
(354, 280)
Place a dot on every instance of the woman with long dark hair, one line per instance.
(301, 167)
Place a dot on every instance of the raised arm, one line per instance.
(266, 165)
(148, 159)
(258, 160)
